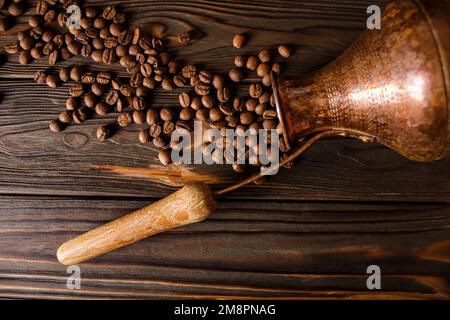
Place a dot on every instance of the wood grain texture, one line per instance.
(297, 237)
(245, 250)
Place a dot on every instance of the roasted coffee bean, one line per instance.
(146, 70)
(152, 116)
(157, 44)
(134, 49)
(266, 80)
(16, 8)
(166, 114)
(34, 21)
(121, 104)
(240, 61)
(50, 16)
(196, 103)
(97, 56)
(25, 57)
(125, 119)
(184, 125)
(252, 63)
(5, 24)
(65, 116)
(189, 71)
(36, 53)
(226, 108)
(111, 97)
(52, 81)
(36, 33)
(109, 13)
(149, 83)
(138, 116)
(103, 133)
(76, 90)
(232, 121)
(168, 127)
(26, 43)
(41, 7)
(270, 114)
(155, 130)
(247, 118)
(223, 94)
(239, 105)
(65, 54)
(111, 42)
(218, 124)
(62, 20)
(202, 89)
(92, 33)
(90, 100)
(80, 115)
(104, 33)
(121, 51)
(136, 80)
(40, 77)
(172, 67)
(133, 67)
(100, 23)
(207, 101)
(58, 40)
(260, 109)
(264, 56)
(270, 124)
(101, 109)
(98, 89)
(120, 18)
(82, 38)
(265, 97)
(98, 44)
(236, 74)
(86, 23)
(218, 82)
(184, 99)
(72, 103)
(104, 78)
(139, 103)
(109, 56)
(239, 40)
(141, 58)
(115, 29)
(263, 69)
(12, 48)
(160, 142)
(276, 67)
(48, 48)
(144, 136)
(164, 156)
(88, 78)
(90, 12)
(142, 91)
(74, 48)
(187, 114)
(167, 84)
(125, 38)
(255, 90)
(126, 90)
(202, 114)
(76, 73)
(284, 51)
(205, 76)
(53, 57)
(215, 115)
(56, 126)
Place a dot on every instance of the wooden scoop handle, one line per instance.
(190, 204)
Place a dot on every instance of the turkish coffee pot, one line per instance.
(391, 86)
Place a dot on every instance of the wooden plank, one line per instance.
(246, 250)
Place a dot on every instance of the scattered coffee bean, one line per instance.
(101, 109)
(65, 116)
(76, 73)
(252, 63)
(264, 56)
(144, 136)
(98, 89)
(52, 81)
(80, 115)
(125, 119)
(90, 100)
(72, 103)
(240, 61)
(164, 157)
(16, 8)
(236, 75)
(239, 40)
(255, 90)
(103, 133)
(185, 99)
(76, 90)
(56, 126)
(40, 77)
(284, 51)
(263, 69)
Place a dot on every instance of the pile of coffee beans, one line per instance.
(105, 38)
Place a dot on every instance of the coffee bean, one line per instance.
(187, 114)
(252, 63)
(72, 103)
(109, 56)
(247, 117)
(98, 89)
(65, 54)
(101, 109)
(120, 18)
(125, 119)
(149, 83)
(92, 33)
(208, 101)
(36, 53)
(167, 84)
(76, 90)
(80, 115)
(160, 142)
(58, 40)
(136, 80)
(65, 116)
(62, 20)
(111, 42)
(255, 90)
(223, 94)
(12, 48)
(109, 13)
(120, 105)
(179, 80)
(226, 108)
(134, 49)
(76, 73)
(259, 110)
(74, 48)
(146, 70)
(202, 89)
(90, 100)
(100, 23)
(205, 76)
(236, 75)
(202, 114)
(115, 29)
(126, 90)
(98, 44)
(218, 124)
(265, 97)
(284, 51)
(139, 116)
(240, 61)
(166, 114)
(168, 127)
(142, 91)
(25, 57)
(40, 77)
(218, 82)
(50, 16)
(125, 38)
(53, 57)
(88, 78)
(172, 67)
(90, 12)
(16, 8)
(184, 99)
(152, 116)
(269, 124)
(111, 97)
(164, 157)
(53, 81)
(155, 130)
(232, 121)
(97, 56)
(139, 103)
(266, 80)
(103, 133)
(41, 7)
(86, 23)
(144, 136)
(263, 69)
(104, 78)
(239, 40)
(189, 71)
(239, 168)
(56, 126)
(133, 67)
(196, 103)
(82, 38)
(26, 43)
(270, 114)
(215, 114)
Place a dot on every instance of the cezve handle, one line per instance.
(190, 204)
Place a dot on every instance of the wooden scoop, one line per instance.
(192, 203)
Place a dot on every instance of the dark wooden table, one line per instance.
(310, 232)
